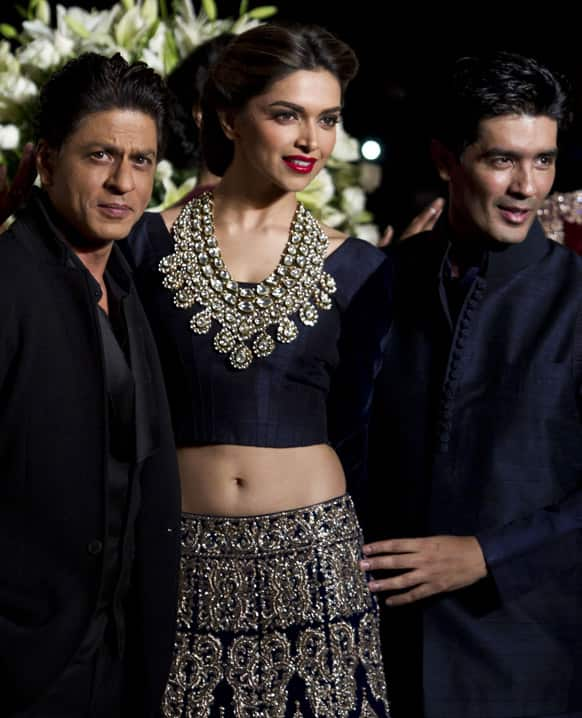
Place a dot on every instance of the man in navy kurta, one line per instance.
(477, 436)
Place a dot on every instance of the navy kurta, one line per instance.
(477, 431)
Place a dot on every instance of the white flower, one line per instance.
(9, 137)
(370, 176)
(164, 172)
(243, 24)
(15, 93)
(131, 27)
(44, 54)
(82, 25)
(153, 54)
(35, 29)
(43, 11)
(332, 216)
(369, 232)
(8, 62)
(318, 192)
(353, 200)
(346, 148)
(173, 194)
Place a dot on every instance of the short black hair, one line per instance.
(94, 83)
(499, 83)
(253, 62)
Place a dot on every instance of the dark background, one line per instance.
(402, 49)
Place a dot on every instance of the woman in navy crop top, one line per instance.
(270, 329)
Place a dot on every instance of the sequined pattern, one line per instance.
(560, 208)
(275, 619)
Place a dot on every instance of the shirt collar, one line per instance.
(497, 261)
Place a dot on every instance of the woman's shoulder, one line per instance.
(148, 241)
(354, 254)
(356, 263)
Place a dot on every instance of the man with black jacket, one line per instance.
(89, 498)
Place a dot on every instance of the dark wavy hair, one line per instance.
(500, 83)
(186, 84)
(255, 60)
(93, 83)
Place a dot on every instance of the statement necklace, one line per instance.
(248, 317)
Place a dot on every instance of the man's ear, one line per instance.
(227, 122)
(45, 163)
(443, 158)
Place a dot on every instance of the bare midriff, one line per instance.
(229, 480)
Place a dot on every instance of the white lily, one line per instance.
(83, 25)
(153, 54)
(43, 12)
(346, 147)
(172, 193)
(15, 93)
(318, 192)
(45, 55)
(131, 28)
(353, 201)
(9, 137)
(332, 216)
(8, 62)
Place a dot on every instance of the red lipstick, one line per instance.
(300, 163)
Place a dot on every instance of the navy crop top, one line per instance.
(316, 389)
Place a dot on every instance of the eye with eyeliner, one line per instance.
(330, 121)
(284, 116)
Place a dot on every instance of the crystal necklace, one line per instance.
(248, 317)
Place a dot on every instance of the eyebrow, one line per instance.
(496, 151)
(298, 108)
(113, 150)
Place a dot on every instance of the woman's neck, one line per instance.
(248, 208)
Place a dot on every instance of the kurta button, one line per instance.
(95, 547)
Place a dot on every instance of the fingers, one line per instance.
(426, 220)
(416, 594)
(387, 237)
(392, 561)
(404, 545)
(397, 583)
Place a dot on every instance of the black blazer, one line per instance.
(53, 437)
(477, 431)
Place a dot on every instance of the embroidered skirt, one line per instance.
(275, 619)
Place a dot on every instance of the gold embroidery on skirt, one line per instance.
(268, 601)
